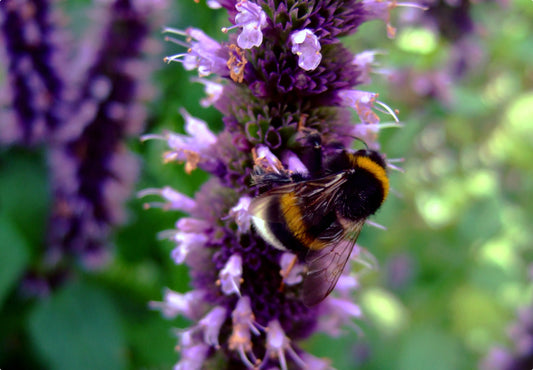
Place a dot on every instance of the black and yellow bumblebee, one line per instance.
(319, 215)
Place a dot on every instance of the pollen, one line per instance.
(236, 63)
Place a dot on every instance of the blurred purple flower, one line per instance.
(452, 22)
(92, 171)
(33, 48)
(285, 72)
(83, 108)
(521, 357)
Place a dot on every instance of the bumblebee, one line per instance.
(319, 215)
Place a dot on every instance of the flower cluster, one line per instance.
(282, 73)
(83, 108)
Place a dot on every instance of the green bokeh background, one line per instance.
(459, 220)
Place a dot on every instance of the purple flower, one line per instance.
(380, 9)
(241, 214)
(365, 62)
(286, 74)
(290, 270)
(177, 304)
(251, 18)
(173, 199)
(193, 149)
(231, 275)
(278, 347)
(305, 44)
(204, 53)
(212, 89)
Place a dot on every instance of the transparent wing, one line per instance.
(325, 266)
(314, 196)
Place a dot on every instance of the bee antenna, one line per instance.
(361, 140)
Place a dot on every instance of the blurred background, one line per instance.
(455, 260)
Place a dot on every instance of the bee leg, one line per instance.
(312, 154)
(301, 122)
(285, 273)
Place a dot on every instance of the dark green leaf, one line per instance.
(13, 254)
(79, 328)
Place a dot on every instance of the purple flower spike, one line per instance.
(93, 172)
(34, 52)
(305, 44)
(282, 83)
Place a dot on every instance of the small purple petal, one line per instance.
(364, 61)
(211, 325)
(192, 357)
(231, 275)
(204, 53)
(305, 44)
(174, 199)
(277, 344)
(241, 214)
(212, 89)
(187, 242)
(267, 160)
(252, 19)
(243, 324)
(294, 276)
(294, 164)
(175, 303)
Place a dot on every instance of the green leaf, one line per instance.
(79, 328)
(24, 193)
(13, 254)
(153, 342)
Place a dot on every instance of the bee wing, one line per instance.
(313, 196)
(325, 266)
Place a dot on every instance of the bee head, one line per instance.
(373, 155)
